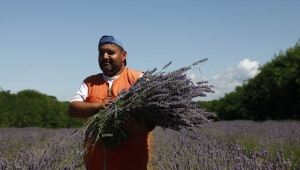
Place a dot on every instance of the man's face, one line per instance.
(111, 59)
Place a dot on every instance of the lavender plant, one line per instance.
(219, 145)
(225, 145)
(37, 148)
(163, 98)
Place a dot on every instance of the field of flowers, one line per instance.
(229, 145)
(38, 148)
(219, 145)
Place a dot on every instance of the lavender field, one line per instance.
(221, 145)
(38, 148)
(229, 145)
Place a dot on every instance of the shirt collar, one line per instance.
(106, 78)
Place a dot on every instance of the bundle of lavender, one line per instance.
(163, 99)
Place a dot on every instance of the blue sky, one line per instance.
(51, 46)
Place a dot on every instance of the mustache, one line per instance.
(106, 61)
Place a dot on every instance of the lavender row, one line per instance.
(40, 149)
(229, 145)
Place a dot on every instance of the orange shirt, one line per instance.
(131, 154)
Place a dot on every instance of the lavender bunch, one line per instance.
(164, 99)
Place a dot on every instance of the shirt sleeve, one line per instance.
(81, 93)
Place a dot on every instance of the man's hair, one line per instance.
(122, 50)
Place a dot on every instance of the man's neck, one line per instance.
(107, 78)
(115, 74)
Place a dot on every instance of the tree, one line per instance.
(6, 106)
(274, 93)
(30, 108)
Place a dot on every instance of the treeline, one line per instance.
(274, 93)
(29, 108)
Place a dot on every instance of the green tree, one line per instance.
(6, 106)
(30, 108)
(274, 93)
(229, 107)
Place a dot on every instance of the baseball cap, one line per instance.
(111, 39)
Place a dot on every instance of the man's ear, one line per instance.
(124, 55)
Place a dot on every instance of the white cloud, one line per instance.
(247, 68)
(192, 77)
(233, 76)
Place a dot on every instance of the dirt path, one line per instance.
(150, 144)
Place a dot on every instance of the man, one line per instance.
(96, 93)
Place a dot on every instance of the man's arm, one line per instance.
(79, 109)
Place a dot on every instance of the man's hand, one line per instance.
(78, 109)
(134, 126)
(104, 104)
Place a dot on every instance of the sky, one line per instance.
(52, 46)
